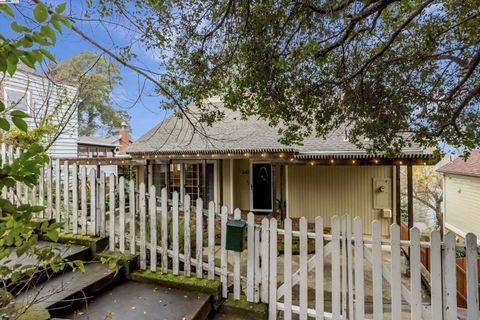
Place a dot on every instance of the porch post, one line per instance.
(282, 174)
(410, 195)
(231, 187)
(220, 163)
(274, 191)
(167, 177)
(397, 196)
(204, 183)
(182, 182)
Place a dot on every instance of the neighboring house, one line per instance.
(45, 101)
(241, 164)
(461, 194)
(105, 147)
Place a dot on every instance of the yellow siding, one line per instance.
(335, 190)
(241, 184)
(462, 202)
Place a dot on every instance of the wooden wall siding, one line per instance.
(43, 93)
(334, 190)
(462, 202)
(241, 180)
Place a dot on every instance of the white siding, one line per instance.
(462, 203)
(54, 100)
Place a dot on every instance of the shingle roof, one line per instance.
(460, 166)
(233, 134)
(111, 141)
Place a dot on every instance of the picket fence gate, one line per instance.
(92, 203)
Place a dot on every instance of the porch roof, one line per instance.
(235, 135)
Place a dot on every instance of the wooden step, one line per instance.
(64, 292)
(139, 300)
(68, 252)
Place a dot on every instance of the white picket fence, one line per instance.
(92, 203)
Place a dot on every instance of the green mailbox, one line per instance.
(236, 234)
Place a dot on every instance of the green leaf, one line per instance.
(19, 114)
(48, 32)
(40, 12)
(60, 8)
(20, 124)
(6, 8)
(47, 54)
(4, 124)
(56, 25)
(11, 66)
(2, 106)
(19, 28)
(52, 235)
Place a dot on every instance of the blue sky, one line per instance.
(142, 105)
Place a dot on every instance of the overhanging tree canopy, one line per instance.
(386, 67)
(391, 69)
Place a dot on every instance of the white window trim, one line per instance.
(18, 89)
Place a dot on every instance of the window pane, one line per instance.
(17, 99)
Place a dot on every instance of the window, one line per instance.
(82, 151)
(18, 98)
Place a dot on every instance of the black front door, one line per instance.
(261, 186)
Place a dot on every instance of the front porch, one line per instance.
(284, 185)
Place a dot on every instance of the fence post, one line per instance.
(143, 250)
(265, 258)
(111, 219)
(132, 197)
(250, 256)
(187, 237)
(287, 269)
(93, 202)
(223, 251)
(436, 275)
(199, 238)
(121, 200)
(57, 191)
(449, 273)
(103, 215)
(236, 265)
(66, 200)
(175, 244)
(272, 305)
(211, 240)
(319, 294)
(164, 230)
(472, 276)
(359, 276)
(74, 197)
(336, 268)
(83, 177)
(153, 228)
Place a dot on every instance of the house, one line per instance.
(240, 164)
(105, 147)
(46, 102)
(461, 194)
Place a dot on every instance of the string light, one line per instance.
(376, 161)
(246, 154)
(229, 154)
(263, 155)
(312, 163)
(401, 162)
(332, 161)
(353, 161)
(282, 155)
(291, 159)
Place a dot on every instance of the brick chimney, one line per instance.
(124, 136)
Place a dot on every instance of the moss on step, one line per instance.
(118, 260)
(97, 244)
(23, 311)
(243, 309)
(213, 287)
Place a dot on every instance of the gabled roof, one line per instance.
(111, 141)
(176, 135)
(460, 166)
